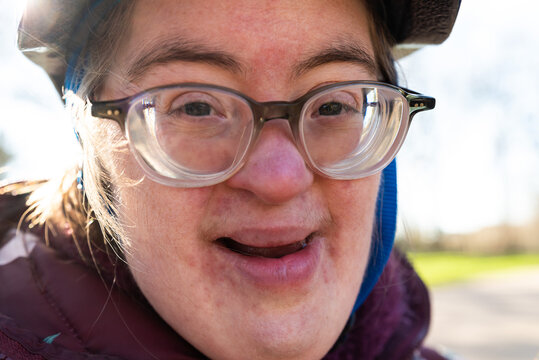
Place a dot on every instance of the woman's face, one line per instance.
(227, 304)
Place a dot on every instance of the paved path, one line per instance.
(492, 318)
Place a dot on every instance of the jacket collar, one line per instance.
(105, 313)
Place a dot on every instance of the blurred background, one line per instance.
(468, 171)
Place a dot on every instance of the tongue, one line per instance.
(269, 252)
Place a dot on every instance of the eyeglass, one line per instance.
(193, 135)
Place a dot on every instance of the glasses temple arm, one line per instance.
(112, 110)
(418, 102)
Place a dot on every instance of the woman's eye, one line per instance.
(330, 109)
(197, 109)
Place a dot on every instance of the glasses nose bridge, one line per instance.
(278, 110)
(272, 110)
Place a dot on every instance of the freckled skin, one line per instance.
(173, 256)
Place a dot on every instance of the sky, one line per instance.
(472, 162)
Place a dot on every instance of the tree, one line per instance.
(4, 158)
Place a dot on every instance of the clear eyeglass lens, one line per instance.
(351, 130)
(199, 135)
(196, 131)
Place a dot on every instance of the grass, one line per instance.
(439, 268)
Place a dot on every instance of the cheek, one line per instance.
(162, 227)
(157, 220)
(352, 206)
(164, 214)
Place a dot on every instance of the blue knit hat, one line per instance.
(383, 236)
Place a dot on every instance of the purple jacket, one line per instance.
(53, 305)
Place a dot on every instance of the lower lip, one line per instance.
(290, 270)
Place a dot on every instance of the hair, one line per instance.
(382, 42)
(90, 211)
(83, 197)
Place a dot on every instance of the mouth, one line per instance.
(273, 252)
(280, 259)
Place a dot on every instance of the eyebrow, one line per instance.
(340, 52)
(178, 49)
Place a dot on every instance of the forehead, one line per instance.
(269, 38)
(247, 18)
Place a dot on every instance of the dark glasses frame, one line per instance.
(262, 112)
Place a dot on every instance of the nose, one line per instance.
(275, 170)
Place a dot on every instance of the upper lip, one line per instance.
(268, 236)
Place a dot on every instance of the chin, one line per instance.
(299, 326)
(286, 336)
